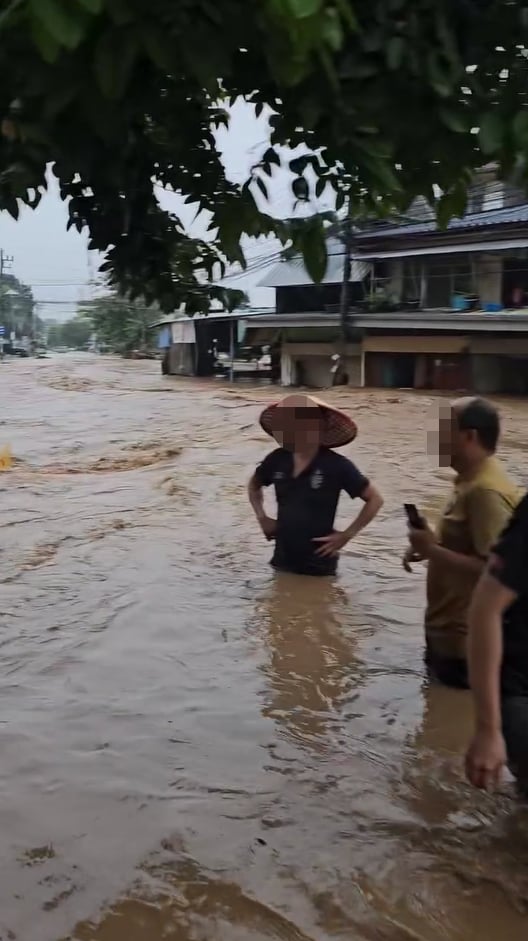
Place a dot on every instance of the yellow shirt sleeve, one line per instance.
(488, 513)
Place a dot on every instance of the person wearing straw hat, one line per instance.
(309, 477)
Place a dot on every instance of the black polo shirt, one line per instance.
(509, 565)
(307, 506)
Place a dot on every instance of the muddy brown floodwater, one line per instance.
(193, 750)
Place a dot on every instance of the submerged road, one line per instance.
(192, 749)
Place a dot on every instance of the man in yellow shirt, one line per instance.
(482, 502)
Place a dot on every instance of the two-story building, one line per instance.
(428, 308)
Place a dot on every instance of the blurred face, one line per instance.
(447, 430)
(301, 427)
(455, 447)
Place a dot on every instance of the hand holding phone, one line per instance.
(413, 517)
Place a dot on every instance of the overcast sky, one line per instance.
(57, 263)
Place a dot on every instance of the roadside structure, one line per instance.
(429, 308)
(199, 345)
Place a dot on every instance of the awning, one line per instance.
(449, 249)
(260, 336)
(293, 273)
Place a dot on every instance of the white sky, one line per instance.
(58, 265)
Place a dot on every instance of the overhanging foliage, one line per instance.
(120, 93)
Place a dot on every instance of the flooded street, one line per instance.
(192, 749)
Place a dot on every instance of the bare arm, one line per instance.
(488, 514)
(256, 499)
(331, 545)
(372, 504)
(490, 601)
(486, 755)
(457, 560)
(424, 546)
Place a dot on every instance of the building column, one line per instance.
(395, 283)
(287, 369)
(488, 271)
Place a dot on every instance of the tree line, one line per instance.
(117, 326)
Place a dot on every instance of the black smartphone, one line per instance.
(413, 516)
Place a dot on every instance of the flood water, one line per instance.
(193, 749)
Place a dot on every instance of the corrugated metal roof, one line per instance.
(292, 273)
(502, 245)
(473, 220)
(213, 315)
(477, 321)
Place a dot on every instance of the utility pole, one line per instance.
(340, 374)
(5, 260)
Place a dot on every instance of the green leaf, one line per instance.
(93, 6)
(347, 14)
(520, 128)
(8, 11)
(48, 47)
(120, 11)
(340, 200)
(328, 66)
(451, 204)
(300, 9)
(60, 100)
(455, 120)
(65, 23)
(491, 133)
(262, 187)
(299, 164)
(115, 56)
(438, 77)
(394, 52)
(315, 254)
(333, 30)
(447, 40)
(10, 204)
(300, 188)
(158, 47)
(271, 156)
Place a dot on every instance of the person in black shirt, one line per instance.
(498, 660)
(308, 478)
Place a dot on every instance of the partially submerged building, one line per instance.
(191, 345)
(429, 308)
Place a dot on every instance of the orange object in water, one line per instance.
(6, 458)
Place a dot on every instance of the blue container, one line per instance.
(459, 302)
(493, 308)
